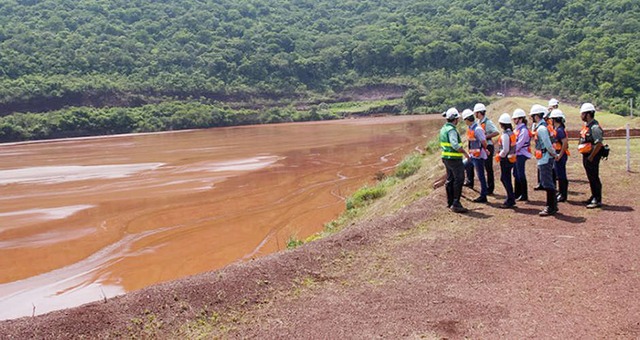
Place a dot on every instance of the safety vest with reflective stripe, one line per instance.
(586, 138)
(511, 155)
(449, 152)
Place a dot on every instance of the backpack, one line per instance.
(605, 151)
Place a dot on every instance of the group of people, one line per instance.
(547, 136)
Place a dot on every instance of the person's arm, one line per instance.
(492, 130)
(597, 133)
(565, 147)
(521, 140)
(455, 143)
(543, 135)
(480, 136)
(505, 146)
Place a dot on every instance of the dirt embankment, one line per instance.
(237, 100)
(422, 272)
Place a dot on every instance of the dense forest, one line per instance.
(79, 67)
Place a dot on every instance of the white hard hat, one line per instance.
(452, 113)
(479, 107)
(518, 113)
(467, 113)
(504, 119)
(553, 102)
(557, 113)
(537, 109)
(587, 107)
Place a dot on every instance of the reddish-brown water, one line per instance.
(87, 218)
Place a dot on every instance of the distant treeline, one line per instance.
(63, 53)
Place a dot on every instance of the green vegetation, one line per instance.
(293, 242)
(367, 194)
(68, 54)
(409, 166)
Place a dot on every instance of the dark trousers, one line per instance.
(546, 180)
(560, 168)
(593, 174)
(455, 179)
(505, 177)
(468, 169)
(488, 167)
(521, 178)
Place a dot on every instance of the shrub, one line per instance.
(365, 195)
(293, 242)
(409, 166)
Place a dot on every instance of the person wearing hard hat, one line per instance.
(561, 145)
(590, 146)
(544, 154)
(553, 104)
(534, 128)
(452, 154)
(490, 131)
(507, 158)
(523, 154)
(477, 152)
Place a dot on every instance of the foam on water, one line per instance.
(70, 173)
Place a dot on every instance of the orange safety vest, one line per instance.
(475, 147)
(557, 144)
(585, 145)
(511, 156)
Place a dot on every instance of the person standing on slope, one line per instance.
(591, 147)
(545, 154)
(452, 154)
(491, 131)
(523, 153)
(561, 145)
(507, 158)
(477, 152)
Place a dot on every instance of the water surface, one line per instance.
(84, 219)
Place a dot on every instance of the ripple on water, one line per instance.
(70, 173)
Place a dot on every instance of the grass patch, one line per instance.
(293, 242)
(409, 166)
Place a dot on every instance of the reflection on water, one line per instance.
(94, 217)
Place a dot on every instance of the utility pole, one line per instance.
(628, 149)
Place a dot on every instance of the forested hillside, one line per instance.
(56, 54)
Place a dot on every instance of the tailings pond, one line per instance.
(89, 218)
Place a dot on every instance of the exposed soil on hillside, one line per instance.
(422, 272)
(238, 100)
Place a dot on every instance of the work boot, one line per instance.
(480, 199)
(562, 193)
(594, 204)
(538, 187)
(456, 207)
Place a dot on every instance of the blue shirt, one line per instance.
(545, 139)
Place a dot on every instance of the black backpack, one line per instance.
(605, 151)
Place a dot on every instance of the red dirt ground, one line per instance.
(422, 272)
